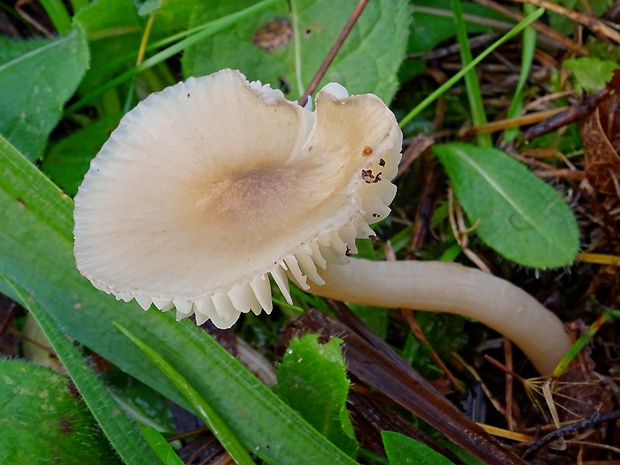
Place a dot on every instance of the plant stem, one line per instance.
(333, 51)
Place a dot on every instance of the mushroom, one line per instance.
(214, 184)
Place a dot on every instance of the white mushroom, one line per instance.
(214, 184)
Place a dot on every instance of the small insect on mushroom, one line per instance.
(367, 151)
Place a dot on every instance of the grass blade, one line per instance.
(527, 58)
(160, 446)
(58, 14)
(472, 85)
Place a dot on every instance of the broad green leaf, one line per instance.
(122, 432)
(11, 49)
(36, 254)
(403, 450)
(284, 46)
(312, 379)
(41, 416)
(35, 86)
(591, 74)
(515, 212)
(67, 160)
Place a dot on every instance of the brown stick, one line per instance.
(517, 121)
(567, 116)
(333, 51)
(590, 22)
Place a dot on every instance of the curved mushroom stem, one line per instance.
(452, 288)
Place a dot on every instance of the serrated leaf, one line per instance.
(403, 450)
(36, 253)
(312, 379)
(35, 86)
(35, 399)
(285, 46)
(517, 214)
(591, 74)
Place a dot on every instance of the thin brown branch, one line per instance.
(592, 23)
(417, 331)
(518, 121)
(567, 116)
(588, 423)
(333, 51)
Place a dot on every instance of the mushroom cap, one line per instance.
(210, 186)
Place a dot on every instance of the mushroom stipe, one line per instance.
(194, 203)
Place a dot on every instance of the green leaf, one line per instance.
(368, 61)
(312, 379)
(591, 74)
(68, 160)
(58, 14)
(518, 214)
(161, 447)
(40, 414)
(36, 253)
(35, 86)
(119, 429)
(403, 450)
